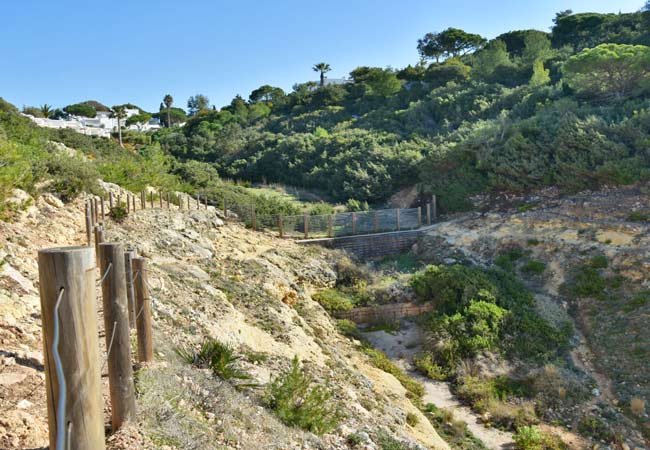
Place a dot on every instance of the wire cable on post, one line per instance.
(63, 391)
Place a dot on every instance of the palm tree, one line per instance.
(168, 101)
(323, 68)
(119, 112)
(46, 110)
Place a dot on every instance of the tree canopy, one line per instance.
(449, 43)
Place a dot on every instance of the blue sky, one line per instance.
(65, 51)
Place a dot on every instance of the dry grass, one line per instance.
(637, 406)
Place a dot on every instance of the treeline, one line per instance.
(525, 110)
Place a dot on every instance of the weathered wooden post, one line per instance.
(305, 221)
(434, 205)
(253, 218)
(99, 238)
(116, 326)
(130, 290)
(168, 199)
(143, 310)
(110, 199)
(143, 203)
(397, 219)
(205, 201)
(160, 198)
(330, 226)
(92, 212)
(71, 348)
(179, 199)
(428, 213)
(133, 203)
(151, 199)
(89, 224)
(280, 234)
(198, 201)
(354, 223)
(188, 202)
(101, 201)
(375, 221)
(128, 203)
(119, 200)
(419, 216)
(95, 209)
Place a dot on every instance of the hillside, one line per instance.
(525, 110)
(210, 280)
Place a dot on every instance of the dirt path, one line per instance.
(401, 347)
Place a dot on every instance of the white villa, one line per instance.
(101, 125)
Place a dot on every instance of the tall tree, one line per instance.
(610, 71)
(449, 43)
(119, 112)
(197, 103)
(266, 94)
(323, 68)
(168, 101)
(46, 110)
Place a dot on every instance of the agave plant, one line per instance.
(220, 358)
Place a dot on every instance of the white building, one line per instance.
(100, 125)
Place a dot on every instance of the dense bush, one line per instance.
(532, 438)
(71, 176)
(298, 401)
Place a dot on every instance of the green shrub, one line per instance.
(533, 242)
(388, 442)
(638, 300)
(532, 438)
(534, 267)
(118, 213)
(379, 359)
(298, 401)
(350, 273)
(599, 262)
(596, 428)
(348, 328)
(638, 216)
(334, 300)
(587, 282)
(218, 357)
(426, 364)
(71, 176)
(412, 419)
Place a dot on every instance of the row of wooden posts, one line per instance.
(70, 333)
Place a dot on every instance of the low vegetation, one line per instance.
(532, 438)
(298, 401)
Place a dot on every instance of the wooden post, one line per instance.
(253, 218)
(68, 274)
(419, 216)
(160, 198)
(375, 221)
(116, 330)
(143, 310)
(205, 201)
(130, 292)
(168, 200)
(128, 203)
(89, 225)
(151, 199)
(101, 201)
(110, 199)
(188, 202)
(397, 219)
(428, 213)
(280, 225)
(92, 212)
(99, 238)
(434, 205)
(198, 201)
(95, 210)
(143, 202)
(305, 221)
(354, 223)
(330, 225)
(179, 198)
(133, 202)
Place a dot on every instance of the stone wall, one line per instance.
(391, 312)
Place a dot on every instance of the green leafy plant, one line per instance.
(534, 267)
(334, 300)
(298, 401)
(532, 438)
(218, 357)
(118, 213)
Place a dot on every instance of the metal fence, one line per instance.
(307, 226)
